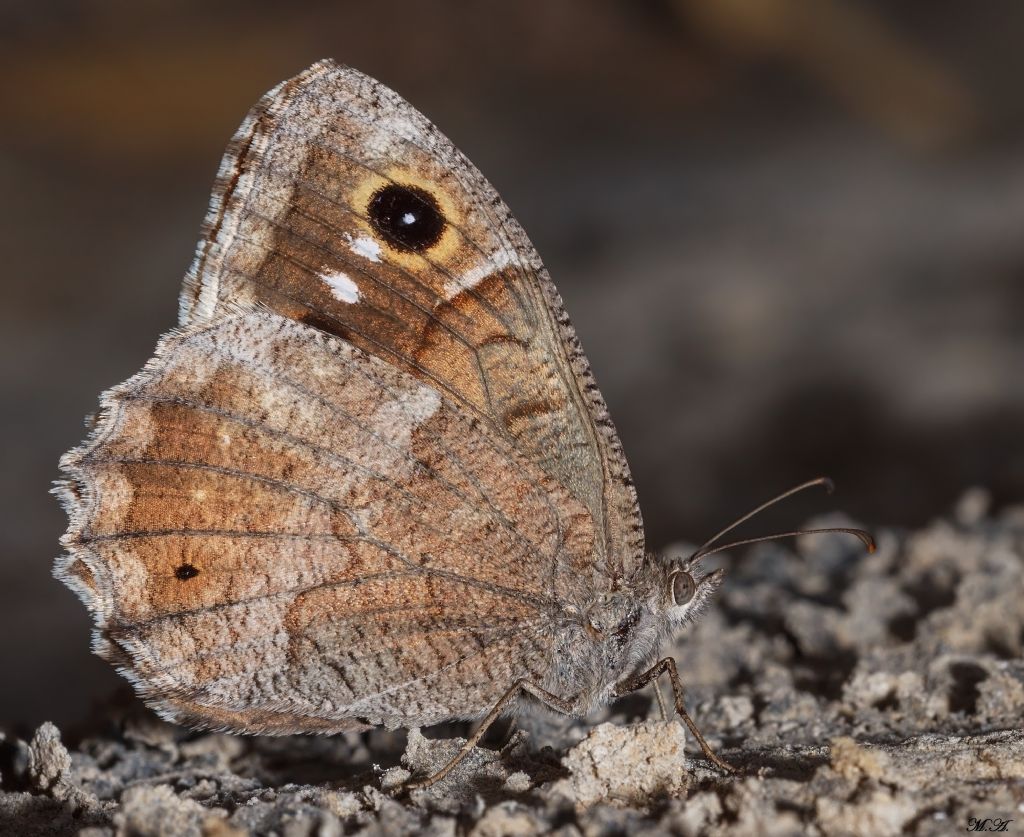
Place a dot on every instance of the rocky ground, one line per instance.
(857, 694)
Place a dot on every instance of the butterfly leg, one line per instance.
(566, 707)
(661, 699)
(652, 674)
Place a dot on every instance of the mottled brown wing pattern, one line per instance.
(468, 309)
(264, 509)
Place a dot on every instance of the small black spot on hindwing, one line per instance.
(185, 572)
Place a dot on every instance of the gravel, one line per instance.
(857, 694)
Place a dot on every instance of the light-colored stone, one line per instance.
(626, 765)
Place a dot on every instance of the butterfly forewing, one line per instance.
(304, 221)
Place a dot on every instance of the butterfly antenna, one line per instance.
(864, 537)
(703, 550)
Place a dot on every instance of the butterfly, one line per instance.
(368, 479)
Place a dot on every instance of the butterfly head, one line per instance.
(634, 624)
(686, 591)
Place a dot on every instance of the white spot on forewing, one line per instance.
(390, 131)
(342, 286)
(472, 277)
(365, 247)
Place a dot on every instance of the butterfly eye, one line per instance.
(683, 587)
(406, 217)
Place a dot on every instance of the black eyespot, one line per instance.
(185, 572)
(683, 587)
(406, 217)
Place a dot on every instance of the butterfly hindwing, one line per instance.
(360, 546)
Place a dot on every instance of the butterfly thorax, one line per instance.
(603, 642)
(617, 634)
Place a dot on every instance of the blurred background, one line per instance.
(790, 234)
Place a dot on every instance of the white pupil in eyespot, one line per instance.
(408, 219)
